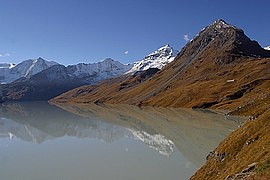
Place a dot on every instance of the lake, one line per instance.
(39, 141)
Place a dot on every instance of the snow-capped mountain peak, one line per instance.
(164, 52)
(157, 59)
(27, 68)
(267, 48)
(101, 70)
(30, 67)
(217, 26)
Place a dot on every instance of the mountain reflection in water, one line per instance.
(193, 132)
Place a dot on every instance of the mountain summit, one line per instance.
(24, 69)
(226, 42)
(157, 59)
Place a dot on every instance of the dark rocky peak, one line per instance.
(227, 42)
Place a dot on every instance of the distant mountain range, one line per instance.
(26, 69)
(38, 79)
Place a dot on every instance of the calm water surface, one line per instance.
(39, 141)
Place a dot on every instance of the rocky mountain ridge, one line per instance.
(11, 72)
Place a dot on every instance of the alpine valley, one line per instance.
(220, 68)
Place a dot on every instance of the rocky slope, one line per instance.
(27, 68)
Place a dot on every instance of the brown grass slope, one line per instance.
(247, 145)
(198, 77)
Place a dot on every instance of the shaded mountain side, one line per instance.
(41, 86)
(123, 84)
(219, 66)
(23, 91)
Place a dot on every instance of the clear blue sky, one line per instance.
(72, 31)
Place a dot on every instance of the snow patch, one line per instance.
(157, 59)
(221, 24)
(12, 65)
(30, 68)
(267, 48)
